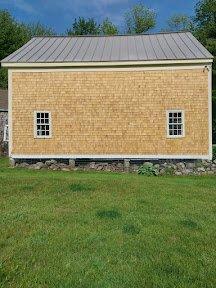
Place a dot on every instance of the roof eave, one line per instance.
(105, 64)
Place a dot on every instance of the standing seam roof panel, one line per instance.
(163, 46)
(156, 46)
(62, 43)
(34, 51)
(20, 50)
(72, 53)
(204, 51)
(42, 51)
(182, 45)
(65, 51)
(91, 49)
(97, 55)
(174, 47)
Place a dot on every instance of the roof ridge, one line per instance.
(117, 35)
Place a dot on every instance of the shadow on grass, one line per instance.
(108, 214)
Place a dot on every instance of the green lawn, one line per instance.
(95, 229)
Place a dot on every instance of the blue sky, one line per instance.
(59, 14)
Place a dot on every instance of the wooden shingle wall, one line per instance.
(111, 112)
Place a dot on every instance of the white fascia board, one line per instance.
(106, 64)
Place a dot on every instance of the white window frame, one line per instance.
(35, 125)
(183, 123)
(6, 133)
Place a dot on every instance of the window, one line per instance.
(175, 123)
(6, 134)
(42, 124)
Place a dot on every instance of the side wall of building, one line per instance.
(110, 112)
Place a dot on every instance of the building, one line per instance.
(110, 97)
(3, 121)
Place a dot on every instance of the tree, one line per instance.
(139, 19)
(108, 28)
(205, 21)
(179, 22)
(38, 29)
(84, 26)
(12, 37)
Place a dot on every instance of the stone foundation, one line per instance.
(198, 167)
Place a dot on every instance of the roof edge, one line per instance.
(116, 35)
(106, 64)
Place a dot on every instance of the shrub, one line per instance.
(214, 153)
(148, 169)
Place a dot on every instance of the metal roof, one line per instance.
(152, 47)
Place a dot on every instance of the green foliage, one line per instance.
(214, 153)
(179, 22)
(3, 78)
(139, 19)
(205, 20)
(108, 28)
(84, 26)
(148, 169)
(38, 29)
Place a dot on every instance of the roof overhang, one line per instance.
(106, 64)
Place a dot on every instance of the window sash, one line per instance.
(42, 124)
(175, 123)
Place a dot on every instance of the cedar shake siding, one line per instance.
(112, 112)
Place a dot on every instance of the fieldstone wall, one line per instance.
(178, 168)
(3, 122)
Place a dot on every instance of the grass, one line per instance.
(106, 230)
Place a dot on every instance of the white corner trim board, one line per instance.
(106, 64)
(106, 156)
(210, 109)
(10, 111)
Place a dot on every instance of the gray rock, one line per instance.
(180, 165)
(201, 169)
(92, 165)
(72, 163)
(162, 171)
(50, 162)
(206, 163)
(148, 164)
(12, 162)
(126, 165)
(54, 167)
(40, 165)
(178, 173)
(65, 169)
(190, 165)
(23, 165)
(214, 161)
